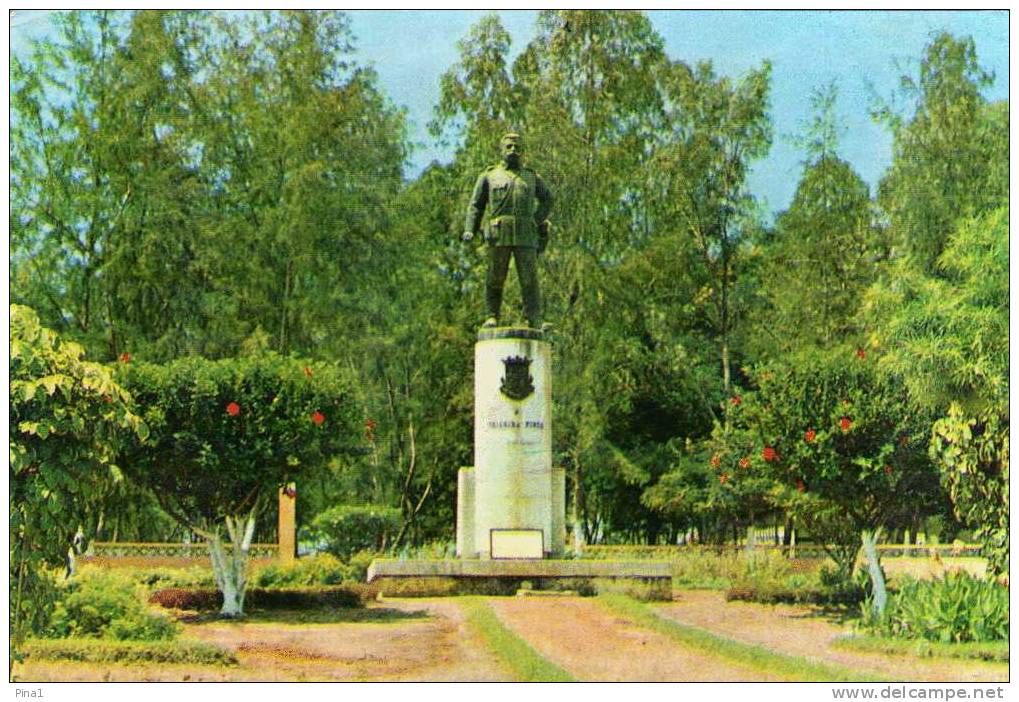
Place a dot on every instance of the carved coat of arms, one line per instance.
(518, 382)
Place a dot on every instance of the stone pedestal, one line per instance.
(465, 513)
(516, 496)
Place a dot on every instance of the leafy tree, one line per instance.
(227, 434)
(716, 128)
(948, 336)
(67, 419)
(104, 192)
(185, 181)
(813, 270)
(301, 154)
(949, 154)
(710, 489)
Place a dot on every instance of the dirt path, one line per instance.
(593, 644)
(410, 640)
(465, 656)
(804, 631)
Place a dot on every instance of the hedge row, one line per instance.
(277, 598)
(848, 595)
(105, 651)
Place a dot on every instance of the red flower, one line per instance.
(810, 435)
(233, 409)
(125, 357)
(845, 423)
(318, 417)
(735, 400)
(107, 398)
(800, 486)
(888, 470)
(716, 460)
(290, 491)
(370, 424)
(860, 353)
(723, 478)
(744, 462)
(769, 454)
(307, 371)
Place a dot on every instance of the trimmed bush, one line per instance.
(955, 608)
(346, 529)
(97, 651)
(320, 569)
(203, 599)
(102, 605)
(159, 578)
(187, 598)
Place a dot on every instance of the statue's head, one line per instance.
(512, 146)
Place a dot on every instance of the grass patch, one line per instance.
(526, 663)
(128, 652)
(756, 657)
(986, 651)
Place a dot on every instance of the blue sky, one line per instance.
(862, 52)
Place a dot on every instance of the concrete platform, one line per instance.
(644, 579)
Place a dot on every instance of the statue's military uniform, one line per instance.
(518, 203)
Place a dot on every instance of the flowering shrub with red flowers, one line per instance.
(838, 428)
(226, 435)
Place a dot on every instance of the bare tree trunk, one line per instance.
(877, 577)
(230, 569)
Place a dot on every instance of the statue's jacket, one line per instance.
(517, 201)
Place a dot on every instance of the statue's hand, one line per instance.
(468, 236)
(543, 228)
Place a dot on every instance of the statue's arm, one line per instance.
(542, 211)
(476, 208)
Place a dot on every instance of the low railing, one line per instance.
(807, 550)
(119, 549)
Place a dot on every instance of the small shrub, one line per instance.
(320, 569)
(160, 578)
(98, 651)
(357, 566)
(955, 608)
(103, 605)
(776, 583)
(347, 529)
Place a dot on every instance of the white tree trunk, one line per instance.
(229, 569)
(877, 578)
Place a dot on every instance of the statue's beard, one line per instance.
(512, 160)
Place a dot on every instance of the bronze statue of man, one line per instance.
(518, 203)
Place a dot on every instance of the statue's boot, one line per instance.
(490, 322)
